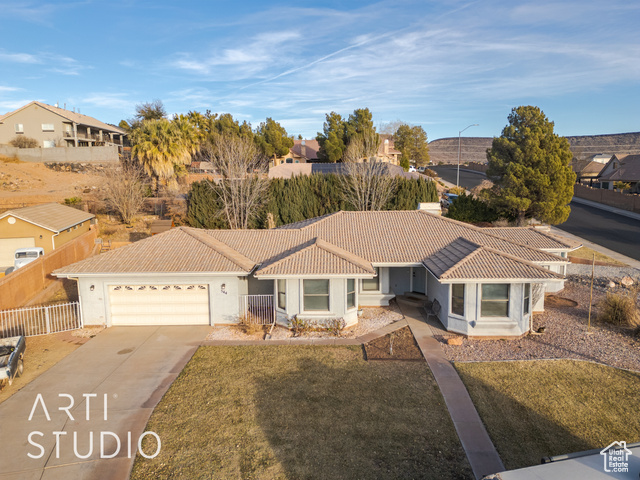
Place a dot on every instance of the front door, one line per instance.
(419, 280)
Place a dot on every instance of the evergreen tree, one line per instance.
(530, 166)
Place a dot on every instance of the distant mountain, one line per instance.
(473, 149)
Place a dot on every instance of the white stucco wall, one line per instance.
(379, 298)
(337, 303)
(223, 307)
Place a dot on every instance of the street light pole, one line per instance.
(459, 135)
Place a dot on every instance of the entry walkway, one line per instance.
(475, 440)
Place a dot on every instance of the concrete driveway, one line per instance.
(132, 366)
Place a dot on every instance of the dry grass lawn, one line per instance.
(302, 412)
(41, 354)
(534, 409)
(588, 253)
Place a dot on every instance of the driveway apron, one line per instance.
(129, 369)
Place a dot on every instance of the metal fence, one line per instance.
(257, 309)
(31, 321)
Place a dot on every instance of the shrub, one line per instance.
(430, 173)
(23, 142)
(13, 159)
(457, 190)
(299, 326)
(72, 201)
(620, 309)
(335, 326)
(471, 210)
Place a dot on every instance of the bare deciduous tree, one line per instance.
(243, 184)
(124, 186)
(366, 185)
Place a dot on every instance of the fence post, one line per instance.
(78, 306)
(46, 317)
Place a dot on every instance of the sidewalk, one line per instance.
(480, 451)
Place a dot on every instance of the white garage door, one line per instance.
(8, 247)
(159, 304)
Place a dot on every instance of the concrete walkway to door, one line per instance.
(481, 453)
(132, 366)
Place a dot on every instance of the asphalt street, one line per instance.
(615, 232)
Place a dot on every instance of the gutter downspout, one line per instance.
(53, 241)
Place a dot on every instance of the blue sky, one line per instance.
(443, 65)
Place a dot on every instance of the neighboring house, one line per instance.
(587, 170)
(303, 151)
(291, 170)
(48, 226)
(621, 168)
(52, 126)
(323, 268)
(306, 151)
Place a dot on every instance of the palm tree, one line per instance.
(161, 146)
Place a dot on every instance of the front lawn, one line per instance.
(302, 412)
(534, 409)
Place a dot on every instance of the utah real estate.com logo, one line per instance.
(616, 457)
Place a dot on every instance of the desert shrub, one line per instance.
(335, 326)
(430, 173)
(23, 142)
(13, 159)
(619, 309)
(72, 201)
(300, 326)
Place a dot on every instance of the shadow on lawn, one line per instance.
(522, 436)
(372, 421)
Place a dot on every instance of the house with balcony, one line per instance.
(52, 126)
(481, 282)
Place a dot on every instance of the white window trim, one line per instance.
(524, 297)
(314, 312)
(509, 302)
(52, 129)
(464, 301)
(20, 129)
(283, 310)
(372, 292)
(346, 294)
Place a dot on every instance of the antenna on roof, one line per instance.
(65, 106)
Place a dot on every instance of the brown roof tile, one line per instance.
(52, 216)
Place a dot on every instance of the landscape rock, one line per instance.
(627, 282)
(454, 341)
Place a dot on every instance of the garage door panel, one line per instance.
(159, 304)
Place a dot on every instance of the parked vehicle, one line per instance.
(447, 199)
(23, 256)
(421, 169)
(11, 358)
(412, 168)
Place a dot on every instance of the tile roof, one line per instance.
(174, 251)
(464, 260)
(52, 216)
(350, 242)
(534, 237)
(72, 116)
(627, 171)
(317, 258)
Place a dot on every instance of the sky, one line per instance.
(443, 65)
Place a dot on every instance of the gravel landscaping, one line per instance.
(372, 319)
(565, 337)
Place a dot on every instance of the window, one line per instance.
(457, 299)
(316, 295)
(289, 160)
(282, 293)
(371, 284)
(495, 300)
(527, 299)
(19, 128)
(48, 143)
(351, 293)
(47, 127)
